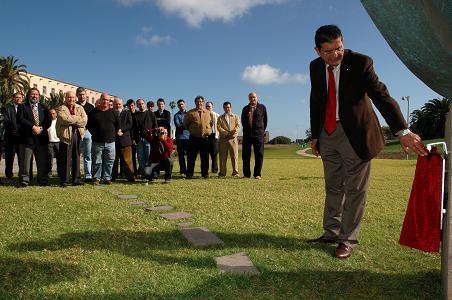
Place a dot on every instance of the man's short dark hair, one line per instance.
(160, 100)
(29, 93)
(130, 101)
(79, 90)
(199, 97)
(326, 34)
(227, 103)
(180, 100)
(149, 104)
(18, 93)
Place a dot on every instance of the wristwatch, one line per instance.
(403, 132)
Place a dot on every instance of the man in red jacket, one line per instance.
(161, 149)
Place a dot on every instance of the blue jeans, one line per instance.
(103, 155)
(86, 151)
(143, 152)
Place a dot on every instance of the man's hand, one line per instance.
(119, 133)
(414, 142)
(36, 130)
(314, 149)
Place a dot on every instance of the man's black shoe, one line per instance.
(63, 184)
(22, 185)
(321, 240)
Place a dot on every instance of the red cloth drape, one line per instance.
(421, 227)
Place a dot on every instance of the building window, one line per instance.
(44, 90)
(35, 85)
(52, 91)
(61, 91)
(92, 100)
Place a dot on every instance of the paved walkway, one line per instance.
(302, 152)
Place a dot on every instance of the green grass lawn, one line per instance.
(82, 242)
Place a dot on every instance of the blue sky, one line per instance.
(221, 49)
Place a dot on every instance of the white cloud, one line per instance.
(266, 74)
(153, 40)
(146, 39)
(129, 2)
(194, 12)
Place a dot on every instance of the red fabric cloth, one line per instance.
(330, 112)
(421, 227)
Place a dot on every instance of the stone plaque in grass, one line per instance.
(137, 203)
(176, 215)
(184, 224)
(126, 197)
(115, 192)
(201, 237)
(238, 263)
(159, 208)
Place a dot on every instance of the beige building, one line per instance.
(47, 86)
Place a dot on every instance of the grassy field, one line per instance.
(82, 242)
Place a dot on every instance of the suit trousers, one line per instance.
(123, 154)
(346, 184)
(182, 151)
(11, 150)
(41, 153)
(258, 145)
(198, 145)
(70, 159)
(54, 153)
(213, 152)
(231, 146)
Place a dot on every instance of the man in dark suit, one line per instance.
(254, 123)
(34, 120)
(163, 116)
(123, 142)
(12, 134)
(347, 134)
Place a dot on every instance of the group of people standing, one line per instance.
(136, 140)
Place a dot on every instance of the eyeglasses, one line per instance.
(334, 51)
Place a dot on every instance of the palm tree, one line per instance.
(430, 120)
(13, 78)
(55, 100)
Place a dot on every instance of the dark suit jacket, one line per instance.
(357, 83)
(163, 120)
(125, 118)
(259, 121)
(26, 122)
(11, 128)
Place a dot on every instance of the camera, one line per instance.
(159, 132)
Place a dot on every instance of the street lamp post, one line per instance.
(407, 99)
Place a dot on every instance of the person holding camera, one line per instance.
(161, 149)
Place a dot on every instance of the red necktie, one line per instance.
(330, 113)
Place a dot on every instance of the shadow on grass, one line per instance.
(138, 243)
(18, 277)
(302, 284)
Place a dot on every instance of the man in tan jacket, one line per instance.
(197, 121)
(228, 126)
(70, 128)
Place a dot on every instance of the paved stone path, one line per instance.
(302, 152)
(159, 208)
(238, 263)
(127, 197)
(201, 237)
(176, 215)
